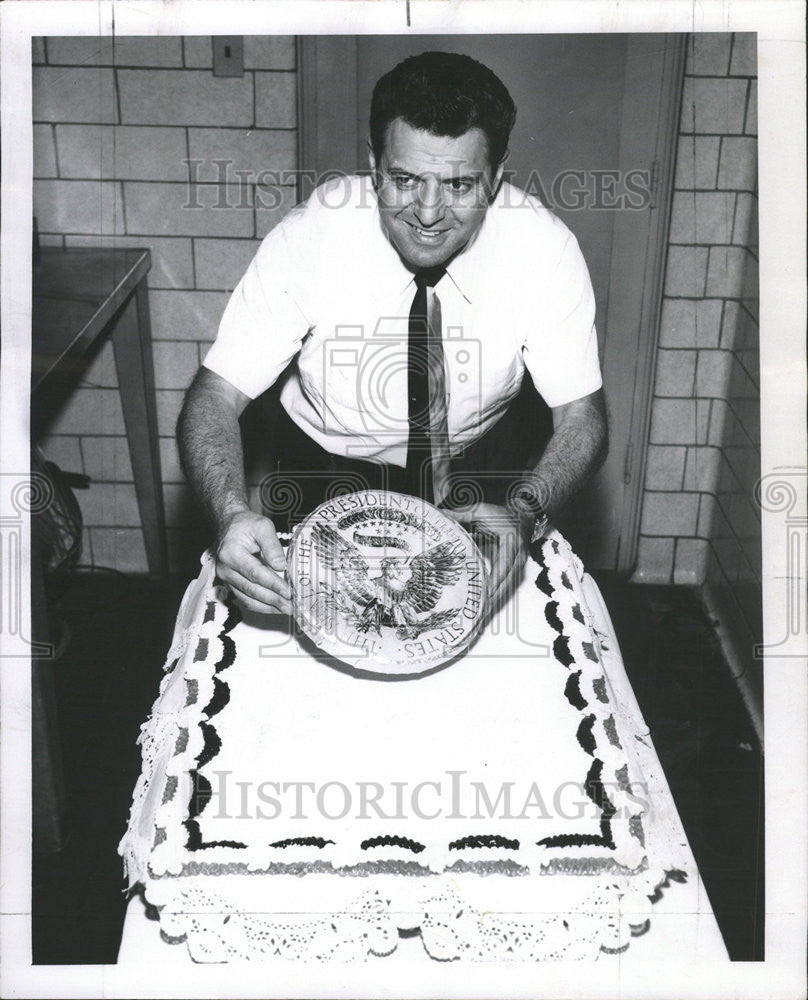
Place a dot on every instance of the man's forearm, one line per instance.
(574, 453)
(209, 440)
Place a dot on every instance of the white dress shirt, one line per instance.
(327, 285)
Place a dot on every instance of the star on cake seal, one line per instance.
(386, 582)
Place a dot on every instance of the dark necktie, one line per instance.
(428, 442)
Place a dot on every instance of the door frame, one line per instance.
(327, 143)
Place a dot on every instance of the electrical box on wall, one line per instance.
(228, 55)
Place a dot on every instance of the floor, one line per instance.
(116, 630)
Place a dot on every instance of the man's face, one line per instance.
(433, 191)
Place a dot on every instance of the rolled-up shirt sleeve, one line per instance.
(560, 350)
(263, 324)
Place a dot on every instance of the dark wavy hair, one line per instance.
(445, 94)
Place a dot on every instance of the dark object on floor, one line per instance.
(107, 679)
(706, 744)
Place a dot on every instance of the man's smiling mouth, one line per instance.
(429, 234)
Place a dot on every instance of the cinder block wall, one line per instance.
(136, 143)
(700, 522)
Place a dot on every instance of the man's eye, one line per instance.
(404, 183)
(458, 186)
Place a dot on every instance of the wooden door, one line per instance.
(594, 140)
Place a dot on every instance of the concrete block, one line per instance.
(654, 561)
(122, 152)
(732, 273)
(269, 52)
(747, 421)
(685, 271)
(702, 469)
(44, 152)
(122, 50)
(265, 156)
(714, 213)
(170, 468)
(749, 361)
(175, 363)
(713, 105)
(702, 217)
(107, 459)
(669, 514)
(81, 50)
(721, 419)
(275, 100)
(708, 53)
(64, 450)
(673, 421)
(712, 374)
(703, 411)
(166, 97)
(696, 161)
(750, 125)
(148, 50)
(119, 548)
(674, 373)
(744, 383)
(690, 564)
(271, 205)
(109, 505)
(745, 228)
(179, 210)
(169, 404)
(190, 315)
(51, 240)
(744, 54)
(74, 94)
(737, 167)
(708, 516)
(38, 50)
(198, 51)
(78, 206)
(689, 323)
(220, 264)
(743, 464)
(664, 468)
(89, 411)
(172, 261)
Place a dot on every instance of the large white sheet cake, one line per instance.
(292, 807)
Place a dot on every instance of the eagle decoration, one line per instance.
(404, 594)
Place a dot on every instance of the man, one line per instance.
(507, 279)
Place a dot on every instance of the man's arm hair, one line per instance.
(576, 450)
(209, 441)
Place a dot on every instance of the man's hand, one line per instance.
(250, 561)
(509, 534)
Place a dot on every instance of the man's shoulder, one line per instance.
(340, 205)
(519, 214)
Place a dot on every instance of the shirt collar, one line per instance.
(460, 271)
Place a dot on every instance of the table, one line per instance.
(80, 296)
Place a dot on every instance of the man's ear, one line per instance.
(371, 158)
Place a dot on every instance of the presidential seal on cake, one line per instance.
(386, 582)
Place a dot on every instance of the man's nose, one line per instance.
(428, 206)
